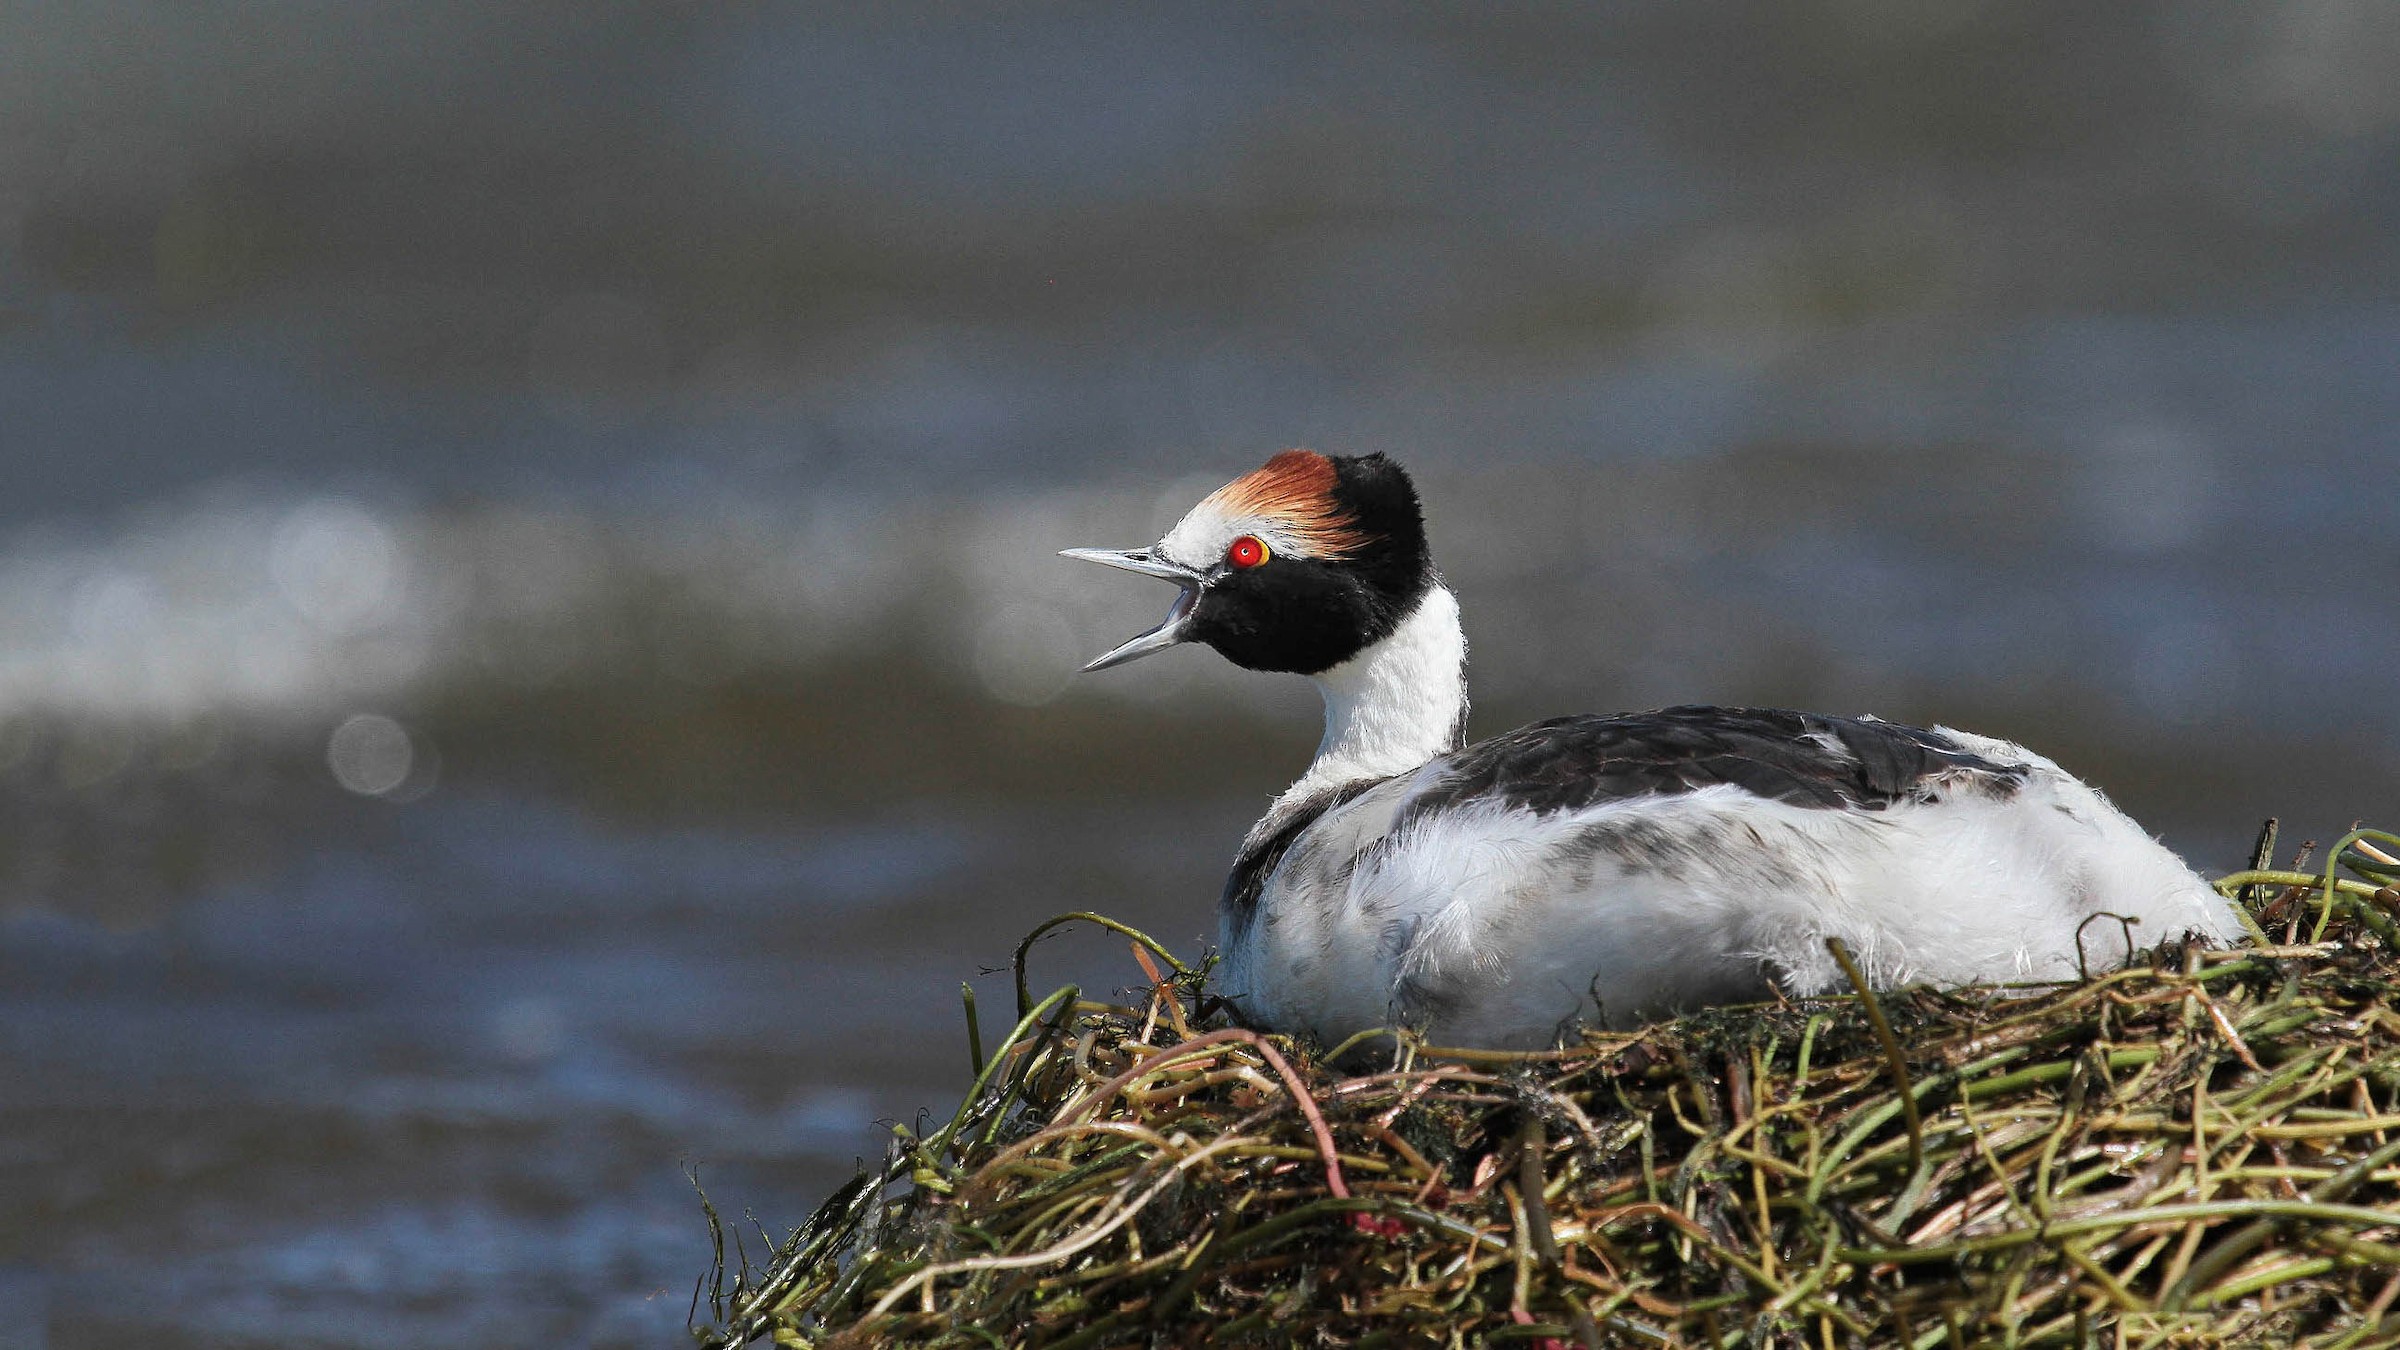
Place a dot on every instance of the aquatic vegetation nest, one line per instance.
(2201, 1149)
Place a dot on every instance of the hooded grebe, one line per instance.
(1600, 868)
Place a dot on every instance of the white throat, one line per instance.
(1393, 706)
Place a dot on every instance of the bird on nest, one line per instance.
(1600, 868)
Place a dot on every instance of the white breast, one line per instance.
(1484, 925)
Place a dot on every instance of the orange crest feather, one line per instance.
(1295, 489)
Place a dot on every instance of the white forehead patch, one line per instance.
(1200, 539)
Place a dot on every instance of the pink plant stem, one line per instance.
(1274, 1057)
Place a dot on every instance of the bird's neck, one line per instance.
(1395, 705)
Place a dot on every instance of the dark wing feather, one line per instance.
(1568, 763)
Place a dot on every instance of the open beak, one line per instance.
(1145, 561)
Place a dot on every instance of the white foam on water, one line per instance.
(1582, 585)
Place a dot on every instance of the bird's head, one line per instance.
(1296, 566)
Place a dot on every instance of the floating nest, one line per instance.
(2201, 1149)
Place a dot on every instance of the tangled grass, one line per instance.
(2201, 1149)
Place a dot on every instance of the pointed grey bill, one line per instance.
(1145, 561)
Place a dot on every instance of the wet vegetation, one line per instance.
(2200, 1148)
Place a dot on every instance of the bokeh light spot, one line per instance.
(1025, 655)
(335, 564)
(370, 754)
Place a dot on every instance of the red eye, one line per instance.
(1247, 551)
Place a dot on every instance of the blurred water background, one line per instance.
(530, 645)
